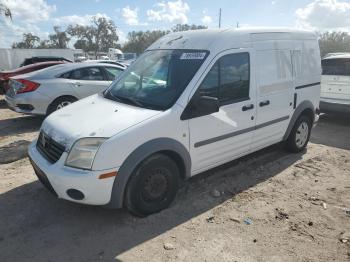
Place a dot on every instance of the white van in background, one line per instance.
(335, 83)
(193, 101)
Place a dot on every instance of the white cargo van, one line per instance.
(335, 83)
(194, 100)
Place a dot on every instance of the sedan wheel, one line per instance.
(59, 103)
(63, 104)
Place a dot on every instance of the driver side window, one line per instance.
(228, 80)
(210, 85)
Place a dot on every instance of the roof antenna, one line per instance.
(220, 18)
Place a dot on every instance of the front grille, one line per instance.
(49, 148)
(43, 178)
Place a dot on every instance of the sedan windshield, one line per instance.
(157, 78)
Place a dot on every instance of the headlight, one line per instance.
(83, 152)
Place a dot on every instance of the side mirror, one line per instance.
(201, 106)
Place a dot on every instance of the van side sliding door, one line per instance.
(274, 96)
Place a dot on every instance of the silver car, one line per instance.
(45, 91)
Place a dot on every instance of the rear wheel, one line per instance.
(61, 102)
(152, 186)
(300, 134)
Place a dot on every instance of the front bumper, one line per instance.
(333, 107)
(59, 178)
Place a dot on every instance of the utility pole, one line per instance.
(220, 18)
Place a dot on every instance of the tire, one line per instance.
(153, 186)
(60, 102)
(300, 134)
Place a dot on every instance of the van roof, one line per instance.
(214, 39)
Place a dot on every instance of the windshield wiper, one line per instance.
(129, 100)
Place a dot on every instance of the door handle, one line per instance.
(77, 84)
(264, 103)
(248, 107)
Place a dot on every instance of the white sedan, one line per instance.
(45, 91)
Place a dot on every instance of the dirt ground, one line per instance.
(269, 206)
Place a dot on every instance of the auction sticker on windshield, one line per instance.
(195, 55)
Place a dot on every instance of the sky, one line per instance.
(39, 16)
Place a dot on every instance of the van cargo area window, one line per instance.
(228, 79)
(157, 78)
(336, 66)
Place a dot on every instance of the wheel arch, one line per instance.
(170, 147)
(57, 98)
(304, 108)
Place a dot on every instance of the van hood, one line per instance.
(94, 116)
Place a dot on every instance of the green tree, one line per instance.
(5, 11)
(82, 44)
(44, 44)
(29, 41)
(97, 37)
(332, 42)
(59, 39)
(138, 41)
(85, 36)
(186, 27)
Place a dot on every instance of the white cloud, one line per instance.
(122, 36)
(14, 33)
(27, 14)
(73, 19)
(30, 11)
(207, 20)
(324, 15)
(173, 12)
(130, 15)
(77, 19)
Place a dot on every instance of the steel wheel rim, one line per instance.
(155, 185)
(63, 104)
(302, 134)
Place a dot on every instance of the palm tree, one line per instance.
(4, 10)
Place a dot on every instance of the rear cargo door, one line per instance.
(335, 83)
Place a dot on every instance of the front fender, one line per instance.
(137, 156)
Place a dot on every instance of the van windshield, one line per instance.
(157, 78)
(336, 66)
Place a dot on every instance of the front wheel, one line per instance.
(300, 134)
(152, 186)
(61, 102)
